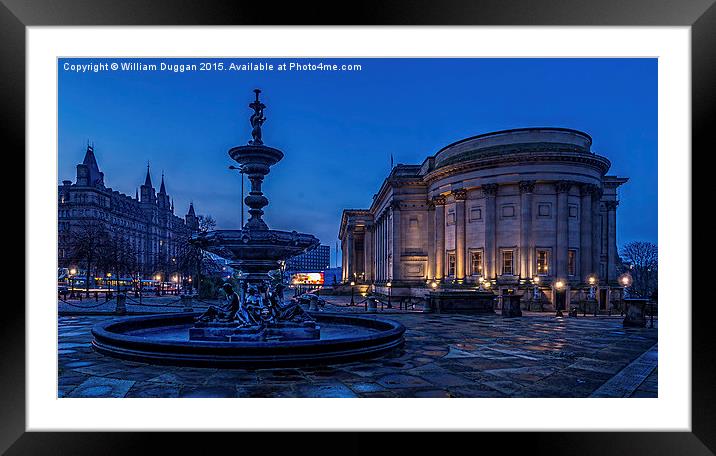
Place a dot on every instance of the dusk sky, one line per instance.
(338, 129)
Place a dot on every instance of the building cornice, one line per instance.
(596, 162)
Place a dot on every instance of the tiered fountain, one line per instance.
(255, 328)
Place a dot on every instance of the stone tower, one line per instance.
(192, 221)
(88, 173)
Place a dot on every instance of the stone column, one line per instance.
(350, 268)
(562, 188)
(596, 232)
(430, 270)
(526, 238)
(460, 197)
(585, 231)
(612, 239)
(397, 241)
(368, 253)
(490, 192)
(439, 202)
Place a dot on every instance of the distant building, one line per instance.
(147, 223)
(531, 211)
(317, 259)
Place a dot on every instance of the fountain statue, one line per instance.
(255, 326)
(257, 312)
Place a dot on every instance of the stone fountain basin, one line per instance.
(164, 339)
(266, 245)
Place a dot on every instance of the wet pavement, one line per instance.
(444, 355)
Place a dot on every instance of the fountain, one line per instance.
(256, 327)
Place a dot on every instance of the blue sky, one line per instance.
(338, 129)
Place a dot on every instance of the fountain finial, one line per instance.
(257, 119)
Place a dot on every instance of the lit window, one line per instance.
(451, 264)
(542, 262)
(572, 262)
(477, 262)
(507, 262)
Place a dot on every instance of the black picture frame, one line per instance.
(16, 15)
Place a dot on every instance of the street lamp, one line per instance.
(73, 271)
(480, 281)
(109, 284)
(593, 281)
(390, 289)
(558, 285)
(434, 284)
(353, 303)
(158, 278)
(625, 282)
(535, 292)
(241, 171)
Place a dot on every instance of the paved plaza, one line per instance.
(445, 355)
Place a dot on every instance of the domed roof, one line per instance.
(537, 139)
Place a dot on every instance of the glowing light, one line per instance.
(559, 284)
(535, 279)
(434, 284)
(487, 284)
(353, 283)
(73, 271)
(308, 278)
(389, 284)
(592, 280)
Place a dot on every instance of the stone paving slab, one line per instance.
(627, 380)
(445, 355)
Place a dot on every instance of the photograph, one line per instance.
(383, 227)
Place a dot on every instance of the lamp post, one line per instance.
(73, 271)
(558, 285)
(535, 291)
(241, 171)
(390, 289)
(593, 281)
(625, 282)
(158, 278)
(108, 293)
(353, 303)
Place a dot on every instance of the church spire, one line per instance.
(191, 209)
(162, 190)
(148, 179)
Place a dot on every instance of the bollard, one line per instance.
(371, 305)
(186, 303)
(313, 304)
(121, 308)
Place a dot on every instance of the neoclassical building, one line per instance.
(146, 223)
(526, 210)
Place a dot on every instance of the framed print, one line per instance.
(407, 219)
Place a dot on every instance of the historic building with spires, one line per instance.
(147, 223)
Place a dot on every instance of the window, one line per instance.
(476, 262)
(451, 217)
(451, 264)
(544, 210)
(573, 211)
(507, 262)
(571, 262)
(475, 213)
(508, 211)
(542, 262)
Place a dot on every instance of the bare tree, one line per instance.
(641, 260)
(86, 243)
